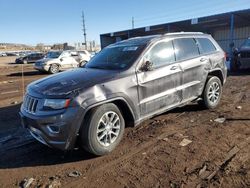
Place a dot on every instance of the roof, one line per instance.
(150, 38)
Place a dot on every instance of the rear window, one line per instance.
(185, 48)
(206, 46)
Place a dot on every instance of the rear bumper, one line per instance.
(57, 131)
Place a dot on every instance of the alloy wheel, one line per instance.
(108, 128)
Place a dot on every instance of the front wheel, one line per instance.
(103, 129)
(54, 68)
(212, 92)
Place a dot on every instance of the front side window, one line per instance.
(185, 48)
(161, 54)
(65, 54)
(35, 55)
(116, 57)
(206, 46)
(53, 54)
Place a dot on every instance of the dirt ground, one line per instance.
(150, 155)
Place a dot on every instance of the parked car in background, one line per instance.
(241, 58)
(3, 54)
(56, 61)
(11, 54)
(126, 83)
(30, 58)
(85, 56)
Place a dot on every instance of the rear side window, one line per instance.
(161, 54)
(206, 46)
(185, 48)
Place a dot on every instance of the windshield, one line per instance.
(53, 54)
(115, 57)
(246, 44)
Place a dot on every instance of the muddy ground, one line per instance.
(149, 155)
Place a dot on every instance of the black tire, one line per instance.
(212, 92)
(54, 68)
(81, 64)
(90, 139)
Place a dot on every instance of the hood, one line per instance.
(65, 83)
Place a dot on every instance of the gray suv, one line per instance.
(124, 84)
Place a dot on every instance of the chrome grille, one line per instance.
(30, 104)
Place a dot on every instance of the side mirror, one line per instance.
(235, 50)
(61, 59)
(147, 66)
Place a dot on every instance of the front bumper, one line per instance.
(42, 67)
(58, 131)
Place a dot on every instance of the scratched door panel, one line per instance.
(157, 89)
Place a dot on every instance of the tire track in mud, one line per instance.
(130, 154)
(120, 161)
(206, 177)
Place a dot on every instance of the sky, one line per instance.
(57, 21)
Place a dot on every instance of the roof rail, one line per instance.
(182, 32)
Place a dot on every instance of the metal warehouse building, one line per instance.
(227, 29)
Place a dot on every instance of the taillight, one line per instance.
(225, 56)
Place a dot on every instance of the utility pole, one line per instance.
(84, 30)
(133, 23)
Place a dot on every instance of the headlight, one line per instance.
(56, 103)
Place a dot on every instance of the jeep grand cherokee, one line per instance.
(124, 84)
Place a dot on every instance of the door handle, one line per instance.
(174, 67)
(203, 59)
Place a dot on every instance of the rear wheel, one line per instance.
(102, 130)
(54, 68)
(212, 92)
